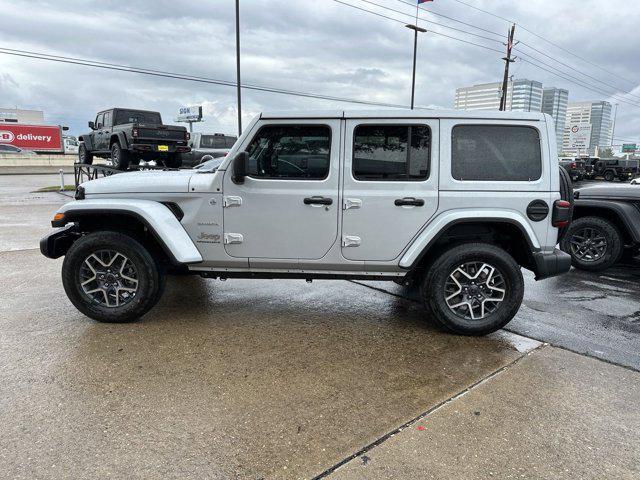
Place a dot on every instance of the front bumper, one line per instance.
(56, 244)
(551, 264)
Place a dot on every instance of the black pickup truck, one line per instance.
(612, 168)
(126, 136)
(605, 226)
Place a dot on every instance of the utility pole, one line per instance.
(507, 61)
(239, 88)
(416, 29)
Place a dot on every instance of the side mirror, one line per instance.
(240, 162)
(92, 126)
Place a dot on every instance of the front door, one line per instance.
(287, 207)
(390, 185)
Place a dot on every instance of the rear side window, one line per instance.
(391, 152)
(495, 152)
(290, 152)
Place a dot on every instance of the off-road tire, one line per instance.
(609, 176)
(85, 157)
(433, 288)
(119, 157)
(150, 277)
(566, 193)
(612, 235)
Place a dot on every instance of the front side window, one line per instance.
(290, 152)
(495, 153)
(100, 120)
(391, 152)
(107, 119)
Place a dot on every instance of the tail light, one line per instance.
(187, 136)
(134, 132)
(573, 165)
(561, 213)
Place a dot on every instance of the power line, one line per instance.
(524, 57)
(431, 31)
(574, 81)
(578, 71)
(560, 47)
(431, 22)
(192, 78)
(451, 18)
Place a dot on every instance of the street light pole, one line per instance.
(239, 88)
(415, 29)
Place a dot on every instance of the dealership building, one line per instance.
(16, 115)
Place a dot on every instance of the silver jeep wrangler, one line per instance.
(456, 202)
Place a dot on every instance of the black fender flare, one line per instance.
(628, 214)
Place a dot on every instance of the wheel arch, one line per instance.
(118, 138)
(508, 233)
(151, 221)
(623, 215)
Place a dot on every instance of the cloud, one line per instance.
(320, 47)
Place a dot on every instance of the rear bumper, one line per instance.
(58, 242)
(551, 264)
(154, 148)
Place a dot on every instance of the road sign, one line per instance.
(579, 136)
(629, 148)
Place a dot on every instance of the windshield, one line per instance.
(217, 141)
(135, 116)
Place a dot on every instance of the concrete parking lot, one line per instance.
(283, 379)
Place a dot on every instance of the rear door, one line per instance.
(390, 185)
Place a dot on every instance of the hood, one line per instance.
(606, 192)
(150, 181)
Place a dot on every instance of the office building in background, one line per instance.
(522, 95)
(596, 114)
(554, 103)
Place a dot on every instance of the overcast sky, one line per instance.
(318, 46)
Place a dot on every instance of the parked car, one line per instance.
(456, 202)
(635, 181)
(70, 145)
(126, 136)
(606, 223)
(215, 144)
(10, 149)
(574, 166)
(612, 168)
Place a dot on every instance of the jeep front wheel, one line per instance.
(119, 157)
(473, 289)
(110, 277)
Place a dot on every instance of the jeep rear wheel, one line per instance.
(119, 157)
(84, 156)
(594, 243)
(473, 289)
(111, 278)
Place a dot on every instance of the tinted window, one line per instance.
(495, 152)
(133, 116)
(391, 152)
(290, 151)
(217, 141)
(100, 120)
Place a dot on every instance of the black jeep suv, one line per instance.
(606, 225)
(127, 136)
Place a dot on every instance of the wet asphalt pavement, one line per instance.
(283, 379)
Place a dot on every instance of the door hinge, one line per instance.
(231, 200)
(351, 203)
(351, 241)
(233, 238)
